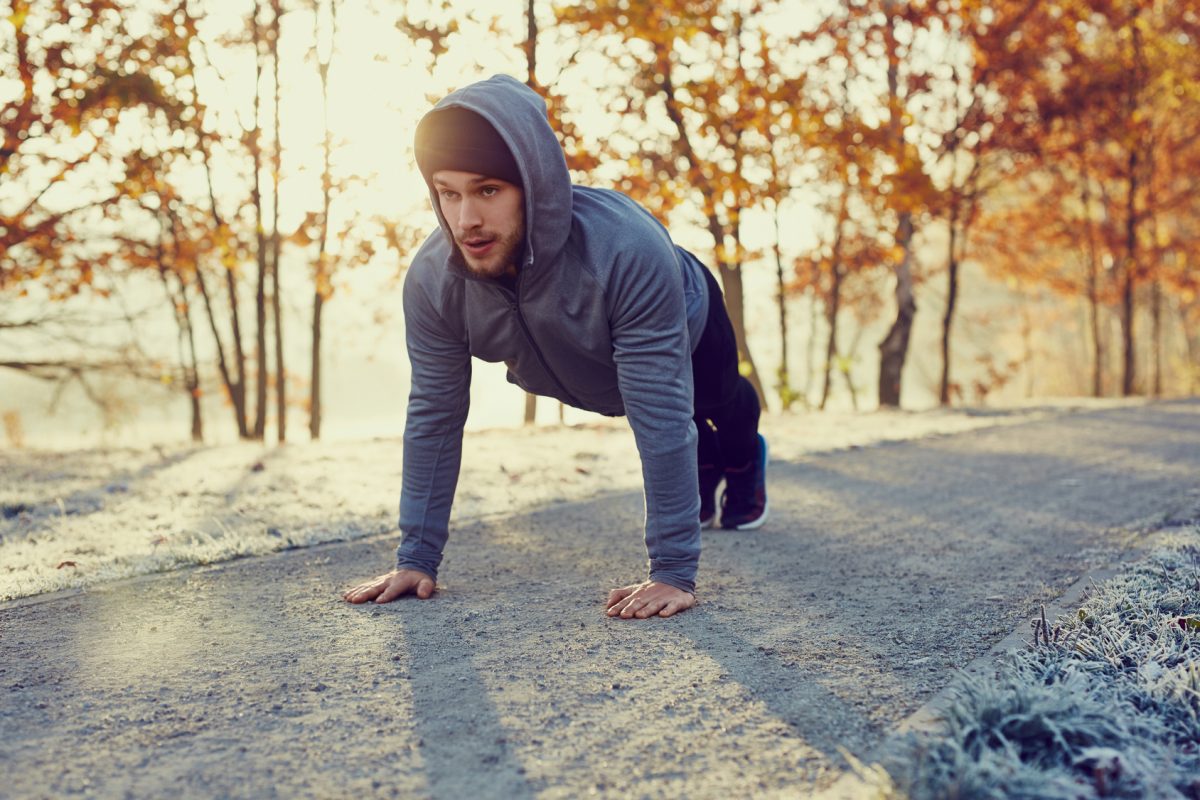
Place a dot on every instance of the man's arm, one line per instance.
(437, 410)
(652, 351)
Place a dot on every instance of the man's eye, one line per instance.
(488, 191)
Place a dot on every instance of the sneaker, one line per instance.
(710, 479)
(744, 501)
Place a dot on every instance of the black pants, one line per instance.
(726, 406)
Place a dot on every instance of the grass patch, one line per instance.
(1105, 703)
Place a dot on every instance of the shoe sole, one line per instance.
(711, 522)
(757, 523)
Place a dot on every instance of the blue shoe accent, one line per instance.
(744, 502)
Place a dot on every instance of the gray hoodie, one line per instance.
(604, 316)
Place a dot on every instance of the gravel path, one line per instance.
(881, 569)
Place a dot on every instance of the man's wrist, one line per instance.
(427, 565)
(675, 581)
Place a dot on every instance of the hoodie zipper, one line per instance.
(515, 305)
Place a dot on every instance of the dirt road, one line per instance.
(881, 570)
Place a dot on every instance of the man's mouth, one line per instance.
(477, 247)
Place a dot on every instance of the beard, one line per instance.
(501, 260)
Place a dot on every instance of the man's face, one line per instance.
(486, 216)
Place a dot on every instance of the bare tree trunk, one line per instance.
(850, 388)
(531, 38)
(222, 364)
(833, 300)
(832, 307)
(530, 48)
(260, 294)
(1027, 355)
(239, 362)
(728, 269)
(183, 334)
(951, 301)
(786, 395)
(321, 277)
(735, 297)
(811, 352)
(844, 367)
(731, 283)
(1093, 288)
(185, 339)
(193, 374)
(276, 163)
(893, 350)
(1127, 280)
(234, 379)
(1156, 299)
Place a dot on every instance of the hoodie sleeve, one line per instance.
(437, 410)
(652, 351)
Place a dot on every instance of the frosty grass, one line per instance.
(1106, 703)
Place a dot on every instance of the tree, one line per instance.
(79, 72)
(1109, 99)
(276, 240)
(877, 46)
(323, 50)
(530, 48)
(972, 154)
(700, 103)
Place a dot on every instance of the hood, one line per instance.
(518, 114)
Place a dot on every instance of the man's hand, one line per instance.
(387, 588)
(647, 599)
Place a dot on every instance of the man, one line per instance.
(581, 293)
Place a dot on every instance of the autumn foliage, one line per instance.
(878, 164)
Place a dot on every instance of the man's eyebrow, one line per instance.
(471, 182)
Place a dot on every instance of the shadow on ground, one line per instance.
(881, 570)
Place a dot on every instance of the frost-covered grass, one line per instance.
(1103, 703)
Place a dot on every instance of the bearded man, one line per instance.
(585, 298)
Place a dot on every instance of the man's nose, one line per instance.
(468, 215)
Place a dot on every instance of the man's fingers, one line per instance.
(648, 600)
(617, 595)
(387, 588)
(651, 608)
(634, 606)
(619, 605)
(392, 590)
(672, 607)
(675, 606)
(361, 593)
